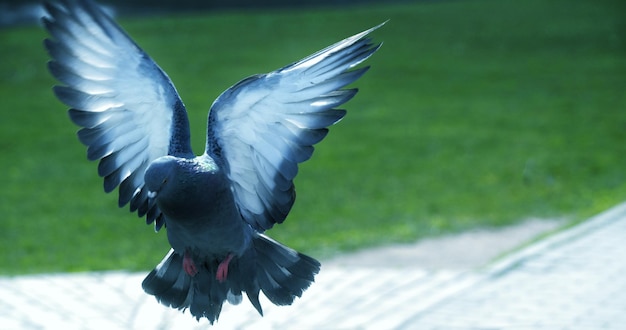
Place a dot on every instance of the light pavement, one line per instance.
(571, 280)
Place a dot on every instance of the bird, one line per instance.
(216, 206)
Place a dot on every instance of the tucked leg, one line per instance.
(222, 268)
(189, 266)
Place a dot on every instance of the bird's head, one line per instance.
(158, 174)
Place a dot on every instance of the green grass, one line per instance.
(475, 113)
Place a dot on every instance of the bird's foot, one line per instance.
(222, 269)
(188, 265)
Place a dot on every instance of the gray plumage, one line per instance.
(215, 206)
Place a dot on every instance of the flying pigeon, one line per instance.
(216, 206)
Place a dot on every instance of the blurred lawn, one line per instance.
(475, 113)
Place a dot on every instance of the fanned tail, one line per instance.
(281, 273)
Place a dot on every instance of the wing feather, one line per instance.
(129, 110)
(265, 125)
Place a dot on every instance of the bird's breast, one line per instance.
(212, 225)
(200, 196)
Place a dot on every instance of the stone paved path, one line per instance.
(571, 280)
(574, 280)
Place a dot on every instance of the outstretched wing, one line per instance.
(129, 111)
(265, 125)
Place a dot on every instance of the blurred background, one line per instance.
(475, 114)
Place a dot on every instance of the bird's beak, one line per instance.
(151, 200)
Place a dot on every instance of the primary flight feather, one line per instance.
(215, 206)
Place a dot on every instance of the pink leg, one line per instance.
(222, 269)
(189, 266)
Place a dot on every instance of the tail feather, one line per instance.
(168, 283)
(300, 265)
(283, 273)
(280, 272)
(253, 296)
(244, 278)
(208, 297)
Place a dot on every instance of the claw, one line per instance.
(189, 266)
(222, 269)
